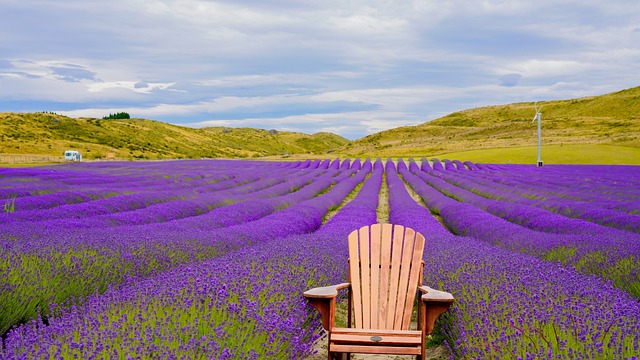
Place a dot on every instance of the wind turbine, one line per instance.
(539, 117)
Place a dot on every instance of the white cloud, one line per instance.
(549, 68)
(139, 87)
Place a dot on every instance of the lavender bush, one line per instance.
(608, 253)
(512, 305)
(614, 207)
(209, 259)
(253, 293)
(59, 264)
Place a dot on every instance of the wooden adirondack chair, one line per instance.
(385, 274)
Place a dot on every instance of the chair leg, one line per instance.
(339, 356)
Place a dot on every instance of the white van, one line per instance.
(72, 155)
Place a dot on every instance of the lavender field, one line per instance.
(208, 259)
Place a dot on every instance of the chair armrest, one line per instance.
(324, 300)
(433, 304)
(432, 295)
(325, 292)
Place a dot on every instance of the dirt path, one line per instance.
(383, 203)
(420, 201)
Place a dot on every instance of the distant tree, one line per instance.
(120, 115)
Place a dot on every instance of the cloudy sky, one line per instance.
(344, 66)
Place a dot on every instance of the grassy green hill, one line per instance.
(599, 129)
(51, 134)
(573, 131)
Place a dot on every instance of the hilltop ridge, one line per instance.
(605, 127)
(612, 119)
(52, 134)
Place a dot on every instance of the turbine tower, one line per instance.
(539, 117)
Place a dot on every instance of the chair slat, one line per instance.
(354, 271)
(403, 283)
(417, 265)
(365, 277)
(385, 266)
(396, 259)
(376, 232)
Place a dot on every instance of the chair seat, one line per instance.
(368, 341)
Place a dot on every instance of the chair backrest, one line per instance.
(385, 267)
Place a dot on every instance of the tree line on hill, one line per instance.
(120, 115)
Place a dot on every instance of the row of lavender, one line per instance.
(509, 304)
(601, 194)
(49, 261)
(132, 192)
(252, 293)
(611, 253)
(578, 182)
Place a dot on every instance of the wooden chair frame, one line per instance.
(385, 275)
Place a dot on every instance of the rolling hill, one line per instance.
(52, 134)
(598, 129)
(602, 124)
